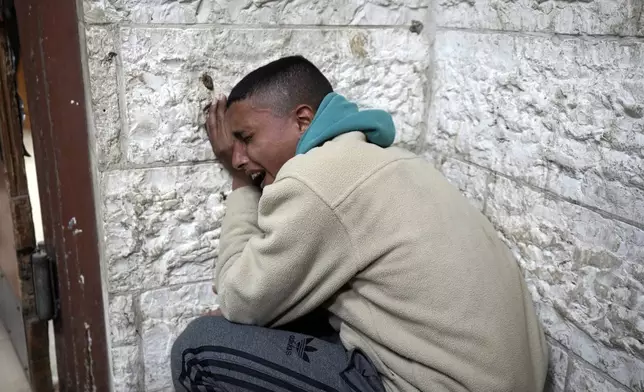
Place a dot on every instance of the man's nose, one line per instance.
(240, 159)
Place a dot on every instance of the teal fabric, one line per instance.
(336, 116)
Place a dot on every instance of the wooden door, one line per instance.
(51, 49)
(17, 241)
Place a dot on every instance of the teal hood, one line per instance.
(336, 116)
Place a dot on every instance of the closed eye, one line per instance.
(242, 136)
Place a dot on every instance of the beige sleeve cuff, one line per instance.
(243, 200)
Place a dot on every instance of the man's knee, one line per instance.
(202, 331)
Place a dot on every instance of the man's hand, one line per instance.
(216, 312)
(222, 140)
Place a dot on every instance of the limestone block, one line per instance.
(122, 322)
(384, 68)
(316, 12)
(490, 102)
(162, 224)
(626, 368)
(527, 106)
(165, 313)
(440, 137)
(585, 379)
(102, 60)
(586, 273)
(126, 369)
(557, 368)
(618, 17)
(599, 174)
(469, 179)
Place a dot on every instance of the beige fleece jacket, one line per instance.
(413, 274)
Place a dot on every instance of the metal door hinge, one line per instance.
(46, 298)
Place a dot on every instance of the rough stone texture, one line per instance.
(558, 118)
(165, 313)
(584, 379)
(557, 368)
(162, 224)
(618, 17)
(380, 68)
(601, 174)
(471, 180)
(122, 320)
(626, 368)
(490, 104)
(316, 12)
(585, 271)
(126, 369)
(102, 61)
(525, 106)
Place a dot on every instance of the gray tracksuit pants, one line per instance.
(213, 354)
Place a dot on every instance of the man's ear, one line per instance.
(304, 116)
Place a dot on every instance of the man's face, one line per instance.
(264, 141)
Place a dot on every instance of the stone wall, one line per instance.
(537, 115)
(534, 109)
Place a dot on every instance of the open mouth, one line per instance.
(258, 179)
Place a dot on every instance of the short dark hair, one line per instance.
(283, 84)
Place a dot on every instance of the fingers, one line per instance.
(221, 105)
(212, 122)
(215, 102)
(221, 110)
(216, 312)
(210, 118)
(216, 128)
(215, 110)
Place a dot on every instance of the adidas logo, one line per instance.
(302, 347)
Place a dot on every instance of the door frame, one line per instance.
(28, 335)
(53, 65)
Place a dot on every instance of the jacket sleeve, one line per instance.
(282, 259)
